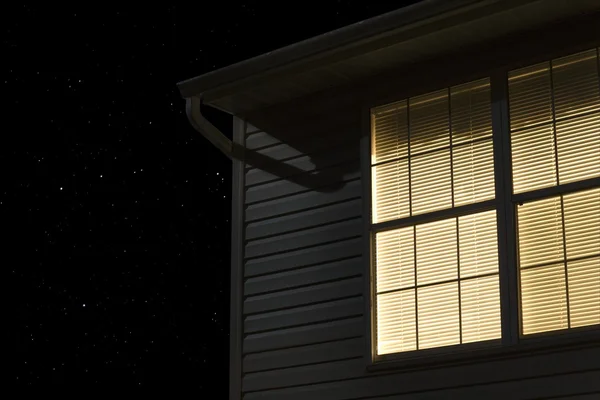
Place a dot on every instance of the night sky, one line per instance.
(116, 212)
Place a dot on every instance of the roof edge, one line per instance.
(305, 50)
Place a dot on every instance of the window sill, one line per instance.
(456, 355)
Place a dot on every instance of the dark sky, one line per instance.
(117, 211)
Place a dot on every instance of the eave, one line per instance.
(390, 41)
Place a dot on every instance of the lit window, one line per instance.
(555, 140)
(436, 262)
(434, 228)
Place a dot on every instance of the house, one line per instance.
(416, 206)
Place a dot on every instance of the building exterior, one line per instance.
(416, 206)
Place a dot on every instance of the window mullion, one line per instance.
(434, 216)
(509, 299)
(370, 304)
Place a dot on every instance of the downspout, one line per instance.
(235, 151)
(193, 110)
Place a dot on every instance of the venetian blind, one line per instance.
(432, 152)
(559, 248)
(555, 139)
(555, 122)
(437, 282)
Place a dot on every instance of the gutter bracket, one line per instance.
(193, 111)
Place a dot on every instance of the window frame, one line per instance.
(512, 343)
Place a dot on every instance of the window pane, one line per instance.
(480, 309)
(530, 96)
(555, 122)
(390, 191)
(424, 146)
(578, 142)
(431, 182)
(473, 165)
(540, 232)
(390, 132)
(429, 122)
(422, 149)
(549, 229)
(395, 259)
(438, 312)
(478, 244)
(533, 158)
(575, 81)
(445, 297)
(396, 322)
(437, 252)
(584, 292)
(582, 223)
(544, 299)
(471, 111)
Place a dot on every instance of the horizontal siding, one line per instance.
(462, 381)
(314, 313)
(303, 335)
(304, 238)
(257, 139)
(305, 219)
(547, 387)
(326, 195)
(304, 257)
(329, 157)
(315, 275)
(331, 371)
(304, 355)
(280, 188)
(585, 396)
(305, 295)
(305, 153)
(287, 151)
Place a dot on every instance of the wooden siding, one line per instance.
(303, 300)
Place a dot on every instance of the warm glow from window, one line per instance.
(555, 122)
(436, 265)
(436, 283)
(559, 246)
(432, 152)
(555, 140)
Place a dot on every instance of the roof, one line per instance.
(408, 35)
